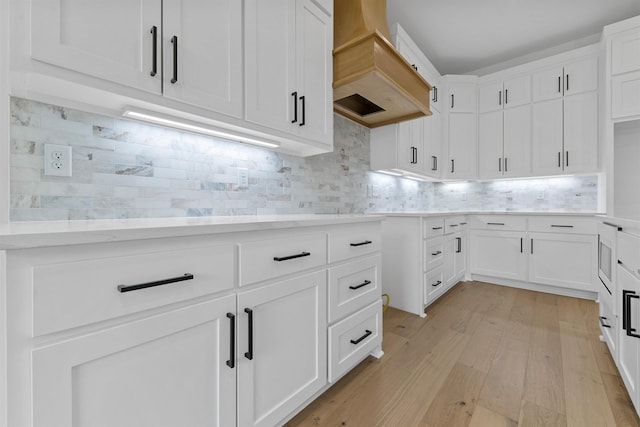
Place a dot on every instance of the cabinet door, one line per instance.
(625, 53)
(490, 97)
(517, 141)
(314, 71)
(283, 356)
(410, 145)
(498, 254)
(462, 99)
(568, 261)
(581, 133)
(462, 146)
(629, 346)
(166, 370)
(208, 44)
(517, 91)
(625, 95)
(490, 158)
(548, 84)
(433, 144)
(460, 256)
(81, 36)
(547, 131)
(581, 76)
(269, 63)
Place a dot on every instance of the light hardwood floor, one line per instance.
(486, 356)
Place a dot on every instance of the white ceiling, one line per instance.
(463, 36)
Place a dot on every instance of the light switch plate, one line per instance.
(57, 160)
(243, 178)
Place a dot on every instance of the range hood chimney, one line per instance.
(372, 83)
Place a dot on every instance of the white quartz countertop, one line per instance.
(431, 213)
(23, 235)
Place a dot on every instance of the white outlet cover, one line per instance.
(243, 178)
(57, 160)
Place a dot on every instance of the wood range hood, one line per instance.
(372, 83)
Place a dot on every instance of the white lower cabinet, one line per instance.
(629, 344)
(165, 370)
(282, 346)
(498, 253)
(569, 261)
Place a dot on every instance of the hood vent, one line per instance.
(372, 83)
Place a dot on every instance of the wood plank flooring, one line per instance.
(486, 356)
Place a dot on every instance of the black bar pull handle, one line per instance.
(436, 253)
(361, 285)
(286, 258)
(454, 225)
(559, 161)
(567, 158)
(438, 283)
(561, 226)
(154, 51)
(452, 101)
(567, 82)
(232, 340)
(174, 42)
(506, 96)
(366, 242)
(434, 163)
(359, 340)
(295, 107)
(559, 84)
(630, 330)
(603, 323)
(495, 223)
(453, 169)
(531, 245)
(249, 354)
(436, 228)
(499, 97)
(433, 94)
(624, 307)
(304, 115)
(436, 88)
(129, 288)
(506, 167)
(459, 240)
(499, 164)
(521, 244)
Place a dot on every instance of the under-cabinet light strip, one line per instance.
(178, 123)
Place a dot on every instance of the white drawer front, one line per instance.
(353, 338)
(433, 253)
(628, 252)
(358, 239)
(75, 293)
(455, 223)
(562, 224)
(353, 286)
(269, 258)
(499, 222)
(434, 285)
(433, 227)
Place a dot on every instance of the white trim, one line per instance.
(556, 290)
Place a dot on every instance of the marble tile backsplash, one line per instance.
(125, 169)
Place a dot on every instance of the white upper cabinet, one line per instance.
(625, 52)
(511, 93)
(462, 99)
(80, 36)
(289, 67)
(202, 49)
(573, 78)
(625, 74)
(565, 119)
(462, 146)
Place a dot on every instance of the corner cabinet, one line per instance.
(289, 67)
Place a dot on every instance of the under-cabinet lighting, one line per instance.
(415, 178)
(386, 172)
(183, 124)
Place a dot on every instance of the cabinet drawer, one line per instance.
(499, 222)
(434, 285)
(269, 258)
(77, 292)
(454, 223)
(433, 253)
(562, 224)
(628, 251)
(353, 286)
(609, 328)
(353, 338)
(433, 227)
(356, 240)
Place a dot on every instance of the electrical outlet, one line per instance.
(243, 178)
(57, 160)
(540, 195)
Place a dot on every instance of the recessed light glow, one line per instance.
(178, 123)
